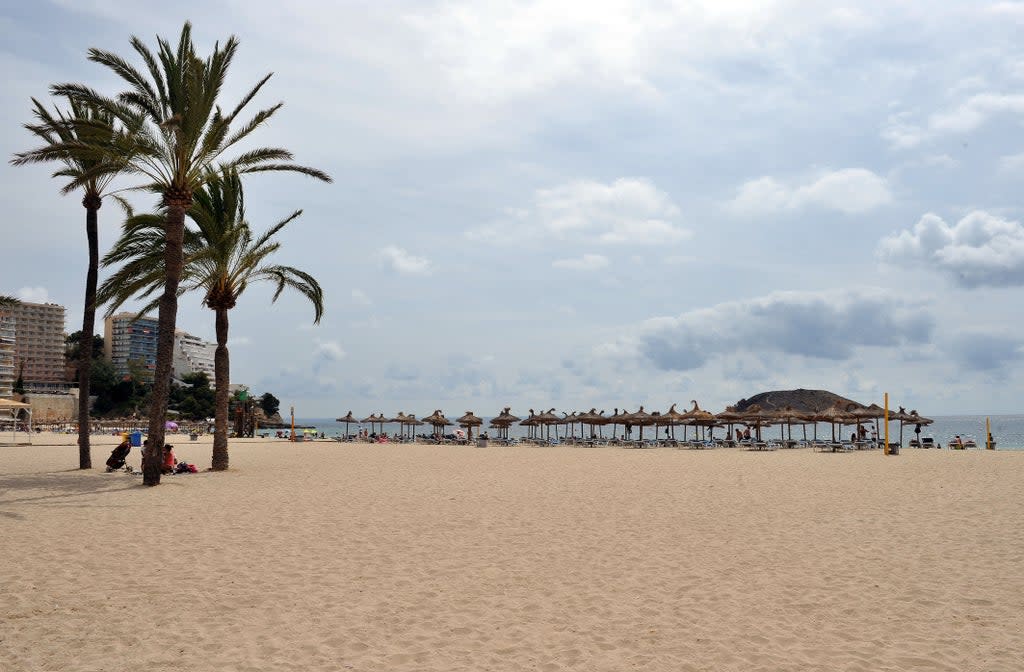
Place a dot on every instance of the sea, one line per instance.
(1007, 430)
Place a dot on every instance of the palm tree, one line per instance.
(80, 140)
(7, 301)
(221, 259)
(178, 132)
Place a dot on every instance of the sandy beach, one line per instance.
(328, 556)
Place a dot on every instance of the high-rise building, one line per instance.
(129, 341)
(7, 335)
(192, 355)
(39, 346)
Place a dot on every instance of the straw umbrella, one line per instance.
(835, 415)
(698, 417)
(673, 418)
(911, 418)
(592, 418)
(411, 422)
(531, 423)
(469, 421)
(437, 421)
(547, 419)
(757, 417)
(730, 416)
(503, 421)
(347, 418)
(641, 418)
(872, 412)
(618, 418)
(788, 416)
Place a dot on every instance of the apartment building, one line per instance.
(7, 368)
(38, 345)
(131, 340)
(192, 355)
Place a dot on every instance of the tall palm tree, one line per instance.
(221, 258)
(179, 132)
(7, 301)
(80, 140)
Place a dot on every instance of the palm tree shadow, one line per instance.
(59, 486)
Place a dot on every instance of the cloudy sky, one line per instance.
(578, 204)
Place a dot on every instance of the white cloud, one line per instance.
(968, 116)
(329, 350)
(828, 325)
(360, 297)
(980, 250)
(975, 111)
(236, 341)
(405, 263)
(588, 262)
(1012, 163)
(34, 294)
(627, 211)
(851, 190)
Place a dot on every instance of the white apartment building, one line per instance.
(192, 355)
(7, 370)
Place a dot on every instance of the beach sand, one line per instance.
(328, 556)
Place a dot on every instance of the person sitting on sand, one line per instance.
(169, 460)
(958, 443)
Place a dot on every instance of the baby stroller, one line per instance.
(117, 456)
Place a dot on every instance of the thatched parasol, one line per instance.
(548, 419)
(347, 418)
(641, 418)
(469, 421)
(788, 417)
(835, 415)
(730, 416)
(437, 421)
(618, 418)
(531, 422)
(757, 417)
(592, 418)
(503, 421)
(698, 417)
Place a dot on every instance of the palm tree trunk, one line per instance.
(168, 317)
(92, 204)
(222, 379)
